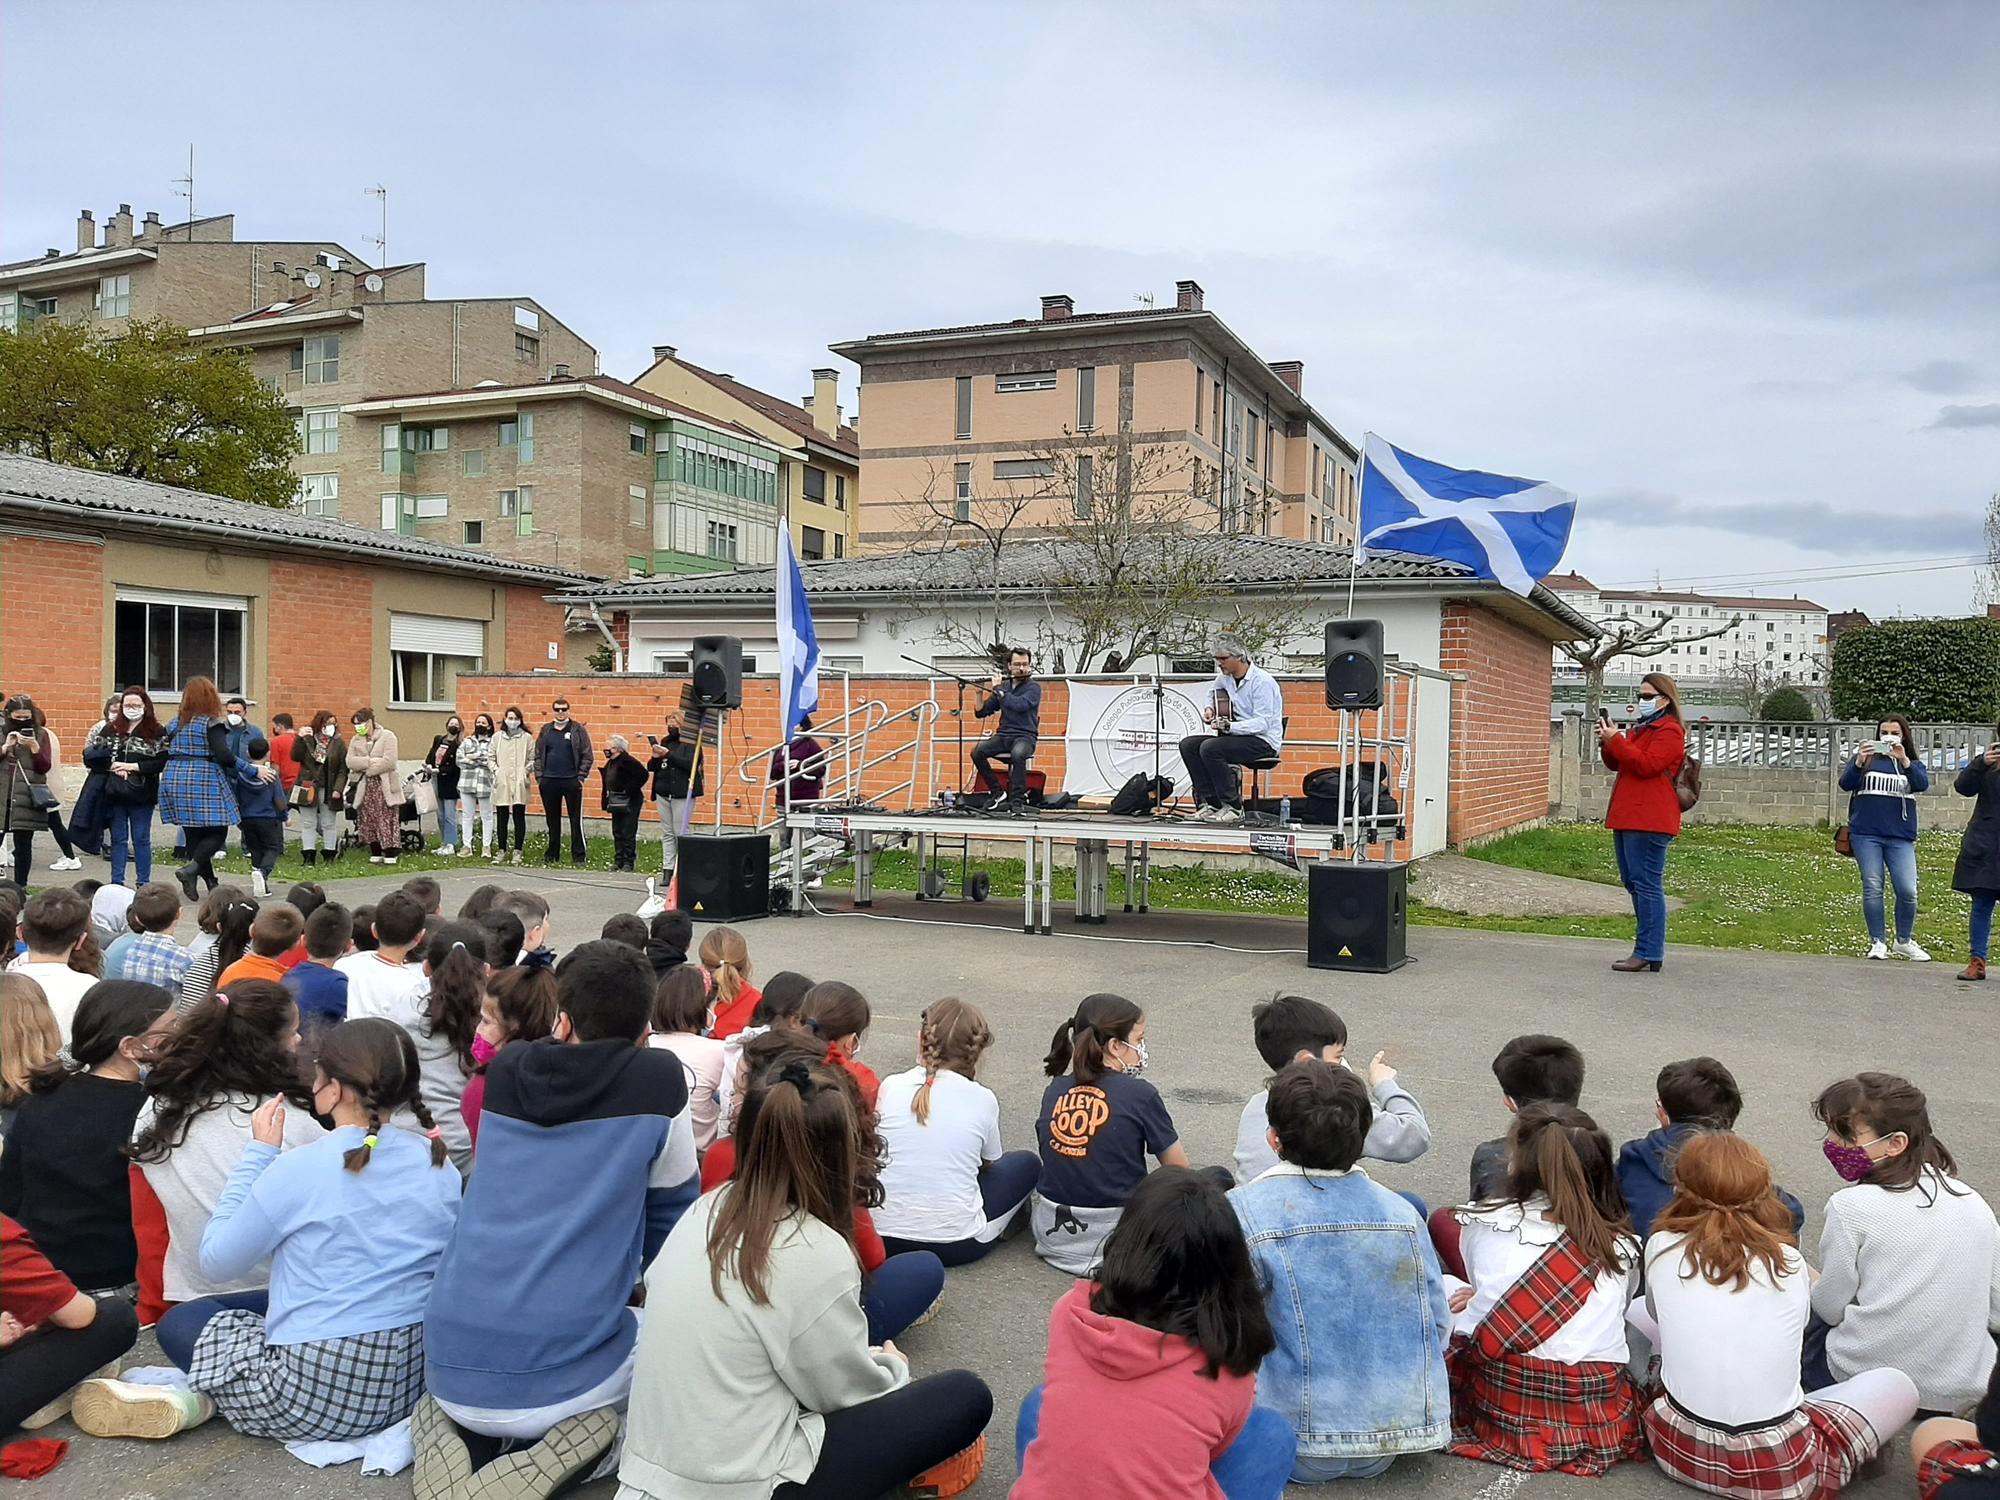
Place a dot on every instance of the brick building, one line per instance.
(1036, 412)
(110, 582)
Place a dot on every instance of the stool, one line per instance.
(1257, 768)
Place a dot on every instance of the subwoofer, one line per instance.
(1356, 915)
(1353, 663)
(724, 877)
(715, 665)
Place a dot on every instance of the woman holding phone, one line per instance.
(1883, 778)
(1645, 813)
(1977, 872)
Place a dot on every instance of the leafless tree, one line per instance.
(1635, 638)
(958, 539)
(1986, 587)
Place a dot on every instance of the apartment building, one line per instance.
(1168, 400)
(1785, 640)
(819, 462)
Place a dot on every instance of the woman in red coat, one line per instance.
(1646, 810)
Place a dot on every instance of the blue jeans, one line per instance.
(900, 1292)
(1003, 1188)
(1982, 923)
(179, 1328)
(135, 823)
(1254, 1467)
(1642, 868)
(448, 821)
(1900, 858)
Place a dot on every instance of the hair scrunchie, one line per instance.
(797, 1074)
(369, 1140)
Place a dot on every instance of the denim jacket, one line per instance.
(1359, 1311)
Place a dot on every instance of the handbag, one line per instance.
(43, 799)
(305, 794)
(1843, 836)
(1687, 782)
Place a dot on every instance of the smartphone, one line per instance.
(1604, 716)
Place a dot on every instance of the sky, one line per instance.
(1730, 272)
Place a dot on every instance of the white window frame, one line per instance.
(1024, 380)
(635, 436)
(170, 691)
(528, 318)
(319, 429)
(319, 367)
(430, 507)
(1014, 470)
(638, 512)
(114, 296)
(407, 642)
(319, 495)
(10, 312)
(723, 534)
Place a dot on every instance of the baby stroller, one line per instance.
(417, 795)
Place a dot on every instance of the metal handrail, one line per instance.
(755, 767)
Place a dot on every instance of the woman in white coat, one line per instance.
(513, 758)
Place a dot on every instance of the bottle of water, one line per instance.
(1285, 811)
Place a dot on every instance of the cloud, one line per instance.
(1986, 414)
(1943, 377)
(1812, 525)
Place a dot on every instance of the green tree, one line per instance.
(1936, 671)
(147, 403)
(1787, 706)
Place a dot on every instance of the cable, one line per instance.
(1081, 937)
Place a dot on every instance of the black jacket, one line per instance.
(623, 777)
(1978, 867)
(670, 762)
(447, 771)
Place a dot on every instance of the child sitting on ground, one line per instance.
(53, 1335)
(1291, 1028)
(1351, 1283)
(1697, 1094)
(533, 911)
(274, 931)
(1727, 1299)
(153, 957)
(1099, 1121)
(727, 958)
(519, 1006)
(627, 929)
(364, 929)
(1909, 1255)
(1532, 1069)
(55, 923)
(782, 998)
(455, 993)
(236, 916)
(680, 1017)
(318, 985)
(1152, 1365)
(503, 939)
(427, 893)
(949, 1185)
(1539, 1355)
(667, 941)
(29, 1037)
(381, 981)
(838, 1015)
(1957, 1459)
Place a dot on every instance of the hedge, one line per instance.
(1936, 671)
(1787, 706)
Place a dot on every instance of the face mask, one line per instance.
(1133, 1070)
(512, 722)
(483, 1051)
(22, 725)
(1892, 739)
(328, 731)
(235, 720)
(134, 715)
(482, 730)
(454, 729)
(361, 725)
(1853, 1163)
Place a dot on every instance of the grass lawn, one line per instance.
(1779, 889)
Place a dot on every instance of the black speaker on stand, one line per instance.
(1356, 916)
(724, 877)
(715, 667)
(1354, 664)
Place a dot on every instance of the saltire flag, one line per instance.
(1510, 530)
(798, 644)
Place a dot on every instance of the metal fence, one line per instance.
(1824, 746)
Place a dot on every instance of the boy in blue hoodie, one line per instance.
(586, 1161)
(262, 811)
(1693, 1095)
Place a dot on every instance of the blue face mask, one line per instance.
(1650, 711)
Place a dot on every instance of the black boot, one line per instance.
(311, 857)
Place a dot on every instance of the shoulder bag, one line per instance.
(1687, 782)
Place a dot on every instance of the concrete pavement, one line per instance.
(1785, 1025)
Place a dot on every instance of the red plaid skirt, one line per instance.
(1810, 1455)
(1542, 1415)
(1949, 1461)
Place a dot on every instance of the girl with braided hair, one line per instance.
(353, 1227)
(947, 1186)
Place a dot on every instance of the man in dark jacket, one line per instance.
(1017, 698)
(563, 757)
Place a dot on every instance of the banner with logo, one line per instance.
(1113, 729)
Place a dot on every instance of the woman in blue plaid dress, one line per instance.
(195, 791)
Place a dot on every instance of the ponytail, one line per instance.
(1558, 1151)
(726, 956)
(359, 1156)
(951, 1035)
(378, 1060)
(1078, 1048)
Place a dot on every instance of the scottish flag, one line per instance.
(798, 645)
(1510, 530)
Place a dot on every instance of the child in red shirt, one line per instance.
(837, 1014)
(51, 1335)
(727, 958)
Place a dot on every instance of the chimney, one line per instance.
(278, 267)
(336, 287)
(1291, 371)
(561, 372)
(826, 401)
(151, 227)
(118, 232)
(1187, 296)
(86, 230)
(662, 351)
(1060, 305)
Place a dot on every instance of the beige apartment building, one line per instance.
(819, 468)
(1032, 415)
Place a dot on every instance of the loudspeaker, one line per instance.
(715, 663)
(724, 877)
(1353, 663)
(1356, 915)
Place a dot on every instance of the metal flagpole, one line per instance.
(1354, 548)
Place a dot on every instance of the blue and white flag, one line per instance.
(798, 645)
(1510, 530)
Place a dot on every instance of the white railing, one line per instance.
(849, 752)
(1824, 746)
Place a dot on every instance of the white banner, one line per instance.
(1111, 733)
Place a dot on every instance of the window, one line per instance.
(472, 462)
(839, 544)
(319, 494)
(813, 486)
(10, 312)
(964, 389)
(635, 437)
(962, 491)
(160, 640)
(1023, 468)
(722, 542)
(812, 544)
(427, 654)
(1270, 438)
(320, 359)
(840, 492)
(1200, 397)
(1029, 380)
(527, 347)
(1250, 452)
(528, 318)
(474, 533)
(1086, 399)
(114, 296)
(520, 504)
(428, 507)
(1215, 403)
(1085, 472)
(427, 439)
(1318, 474)
(636, 504)
(519, 433)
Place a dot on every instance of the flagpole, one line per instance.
(1354, 547)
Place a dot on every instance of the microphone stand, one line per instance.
(957, 713)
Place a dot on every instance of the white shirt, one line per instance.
(1729, 1357)
(1257, 706)
(930, 1183)
(702, 1057)
(63, 987)
(375, 987)
(1501, 1242)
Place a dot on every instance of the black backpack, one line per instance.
(1141, 794)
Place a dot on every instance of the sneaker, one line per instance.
(68, 862)
(500, 856)
(389, 859)
(1205, 813)
(1227, 815)
(1878, 950)
(443, 1464)
(466, 852)
(930, 1313)
(259, 886)
(376, 859)
(112, 1408)
(1911, 949)
(517, 857)
(954, 1476)
(445, 849)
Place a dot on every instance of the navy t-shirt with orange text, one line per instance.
(1095, 1138)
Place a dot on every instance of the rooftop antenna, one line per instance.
(1144, 299)
(184, 186)
(381, 239)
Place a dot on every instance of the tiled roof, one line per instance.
(34, 487)
(1726, 601)
(1012, 325)
(1571, 583)
(601, 382)
(785, 413)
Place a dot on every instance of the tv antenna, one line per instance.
(381, 193)
(1144, 299)
(184, 186)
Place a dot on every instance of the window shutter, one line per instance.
(437, 635)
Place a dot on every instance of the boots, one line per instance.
(311, 857)
(1975, 969)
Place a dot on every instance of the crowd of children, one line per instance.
(328, 1152)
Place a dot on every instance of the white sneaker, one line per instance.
(114, 1408)
(1204, 814)
(1878, 950)
(1227, 815)
(376, 859)
(1909, 948)
(466, 852)
(70, 863)
(445, 849)
(259, 886)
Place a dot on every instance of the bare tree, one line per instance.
(959, 538)
(1986, 587)
(1634, 638)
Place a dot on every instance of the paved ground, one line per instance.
(1480, 888)
(1786, 1025)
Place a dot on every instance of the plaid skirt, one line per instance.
(193, 794)
(336, 1390)
(1810, 1455)
(1541, 1415)
(1949, 1461)
(376, 819)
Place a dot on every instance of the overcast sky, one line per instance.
(1730, 272)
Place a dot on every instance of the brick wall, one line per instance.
(49, 648)
(1499, 722)
(308, 672)
(532, 622)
